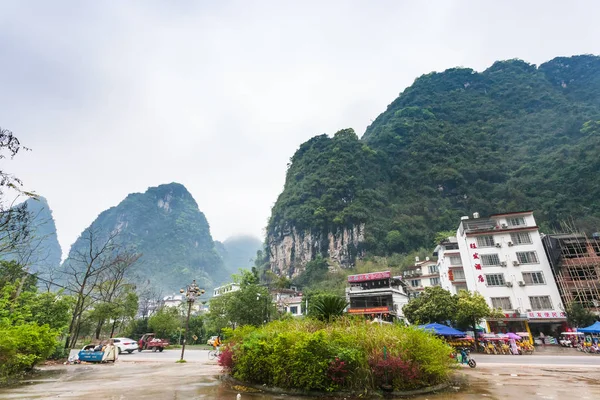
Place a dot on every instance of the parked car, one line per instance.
(211, 341)
(125, 344)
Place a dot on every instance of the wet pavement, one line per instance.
(200, 380)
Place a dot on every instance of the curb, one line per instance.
(295, 392)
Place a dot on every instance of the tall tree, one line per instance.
(83, 274)
(471, 309)
(578, 316)
(433, 305)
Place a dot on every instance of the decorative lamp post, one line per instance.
(191, 293)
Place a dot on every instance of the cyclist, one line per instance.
(217, 343)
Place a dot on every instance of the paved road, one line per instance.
(590, 360)
(169, 355)
(201, 356)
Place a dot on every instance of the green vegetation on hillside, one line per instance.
(513, 137)
(172, 235)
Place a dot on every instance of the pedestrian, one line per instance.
(543, 339)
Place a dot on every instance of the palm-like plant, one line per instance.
(326, 307)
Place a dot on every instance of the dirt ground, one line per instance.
(157, 381)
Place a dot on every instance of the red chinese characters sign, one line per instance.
(545, 314)
(373, 276)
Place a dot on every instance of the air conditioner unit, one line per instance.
(521, 283)
(504, 226)
(509, 284)
(510, 243)
(503, 263)
(516, 263)
(498, 245)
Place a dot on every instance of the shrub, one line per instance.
(345, 355)
(22, 346)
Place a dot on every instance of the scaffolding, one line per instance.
(575, 261)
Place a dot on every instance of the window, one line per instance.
(485, 241)
(520, 238)
(495, 279)
(294, 310)
(455, 260)
(502, 303)
(540, 303)
(433, 269)
(434, 281)
(488, 260)
(533, 278)
(527, 257)
(459, 275)
(415, 283)
(460, 287)
(517, 221)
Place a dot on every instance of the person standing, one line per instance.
(543, 339)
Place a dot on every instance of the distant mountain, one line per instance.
(166, 226)
(239, 252)
(513, 137)
(41, 251)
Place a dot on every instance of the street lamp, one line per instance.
(191, 293)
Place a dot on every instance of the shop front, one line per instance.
(550, 323)
(511, 322)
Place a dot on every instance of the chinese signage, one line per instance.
(545, 314)
(369, 310)
(373, 276)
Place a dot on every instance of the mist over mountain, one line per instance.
(40, 251)
(239, 252)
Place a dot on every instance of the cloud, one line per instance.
(114, 97)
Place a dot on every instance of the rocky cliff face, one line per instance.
(292, 249)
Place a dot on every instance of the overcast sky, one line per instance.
(116, 96)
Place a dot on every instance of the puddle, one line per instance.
(162, 381)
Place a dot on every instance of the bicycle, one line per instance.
(212, 354)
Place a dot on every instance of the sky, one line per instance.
(113, 97)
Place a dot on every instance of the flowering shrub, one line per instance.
(337, 371)
(225, 359)
(344, 355)
(395, 371)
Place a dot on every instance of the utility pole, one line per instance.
(191, 293)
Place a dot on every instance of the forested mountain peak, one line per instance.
(165, 225)
(512, 137)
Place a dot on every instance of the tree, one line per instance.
(84, 270)
(114, 293)
(578, 316)
(251, 305)
(434, 304)
(166, 322)
(471, 309)
(326, 307)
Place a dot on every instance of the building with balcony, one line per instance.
(422, 274)
(228, 288)
(503, 258)
(377, 295)
(450, 266)
(575, 262)
(288, 300)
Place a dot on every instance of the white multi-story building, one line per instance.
(503, 259)
(230, 287)
(450, 266)
(422, 274)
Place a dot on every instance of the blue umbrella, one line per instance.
(594, 328)
(442, 330)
